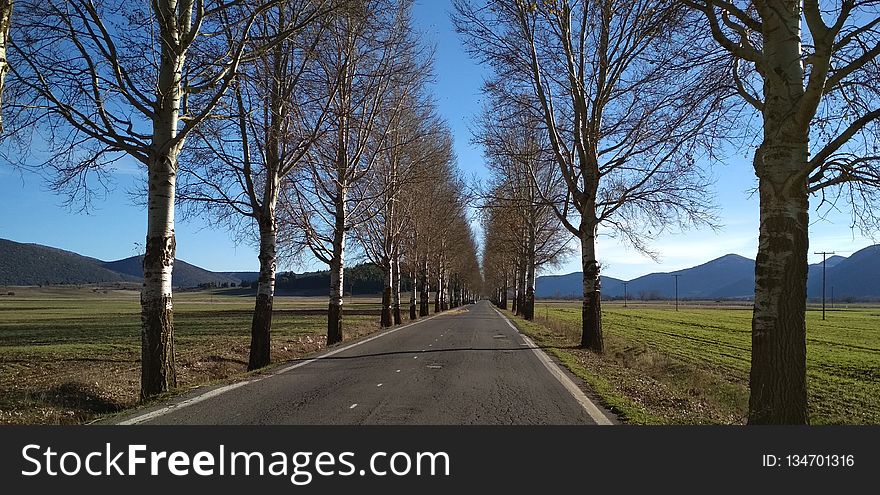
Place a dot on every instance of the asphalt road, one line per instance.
(465, 366)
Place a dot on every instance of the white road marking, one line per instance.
(598, 416)
(379, 385)
(398, 371)
(181, 405)
(226, 388)
(430, 345)
(353, 406)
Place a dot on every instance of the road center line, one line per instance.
(353, 406)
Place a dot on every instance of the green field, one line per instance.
(70, 354)
(692, 365)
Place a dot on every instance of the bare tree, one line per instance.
(110, 79)
(624, 105)
(361, 58)
(523, 174)
(422, 203)
(403, 164)
(500, 252)
(810, 70)
(240, 157)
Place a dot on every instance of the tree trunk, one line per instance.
(261, 326)
(395, 286)
(529, 300)
(778, 375)
(337, 267)
(521, 291)
(157, 317)
(412, 299)
(504, 294)
(591, 313)
(777, 382)
(444, 292)
(157, 312)
(515, 302)
(439, 293)
(5, 18)
(424, 298)
(385, 320)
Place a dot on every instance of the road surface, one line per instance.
(465, 366)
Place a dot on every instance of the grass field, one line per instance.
(691, 366)
(69, 354)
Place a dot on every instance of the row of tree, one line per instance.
(304, 125)
(609, 108)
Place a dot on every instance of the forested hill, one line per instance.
(35, 264)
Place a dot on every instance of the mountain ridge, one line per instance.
(727, 277)
(731, 276)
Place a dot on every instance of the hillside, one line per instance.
(855, 277)
(731, 272)
(571, 285)
(33, 264)
(184, 274)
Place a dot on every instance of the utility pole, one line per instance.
(824, 254)
(832, 297)
(624, 293)
(676, 291)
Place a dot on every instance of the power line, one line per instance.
(824, 254)
(676, 291)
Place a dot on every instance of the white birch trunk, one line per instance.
(158, 373)
(591, 312)
(5, 22)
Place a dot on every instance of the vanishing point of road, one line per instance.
(468, 365)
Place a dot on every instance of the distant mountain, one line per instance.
(184, 274)
(571, 285)
(730, 272)
(34, 264)
(731, 277)
(856, 277)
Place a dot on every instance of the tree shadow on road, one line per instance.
(433, 351)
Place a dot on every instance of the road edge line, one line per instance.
(591, 408)
(210, 394)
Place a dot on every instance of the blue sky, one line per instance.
(29, 212)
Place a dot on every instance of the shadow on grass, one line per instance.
(276, 313)
(213, 358)
(79, 397)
